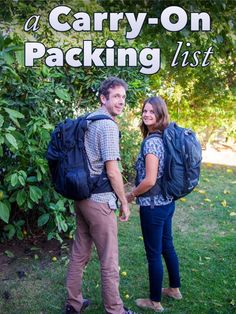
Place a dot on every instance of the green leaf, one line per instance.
(35, 248)
(23, 174)
(14, 179)
(15, 121)
(63, 94)
(39, 175)
(60, 205)
(11, 129)
(21, 180)
(19, 234)
(21, 197)
(48, 126)
(4, 212)
(9, 253)
(11, 139)
(10, 69)
(9, 59)
(43, 169)
(32, 179)
(20, 57)
(20, 223)
(12, 198)
(50, 236)
(72, 208)
(1, 120)
(64, 226)
(11, 230)
(14, 113)
(29, 203)
(35, 193)
(43, 219)
(22, 177)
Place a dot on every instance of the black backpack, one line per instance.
(68, 161)
(183, 156)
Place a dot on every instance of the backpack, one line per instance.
(68, 161)
(183, 155)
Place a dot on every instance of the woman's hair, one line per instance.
(160, 110)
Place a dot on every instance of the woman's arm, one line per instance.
(151, 166)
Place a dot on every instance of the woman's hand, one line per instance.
(130, 197)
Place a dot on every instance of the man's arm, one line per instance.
(116, 181)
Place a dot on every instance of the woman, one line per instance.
(156, 211)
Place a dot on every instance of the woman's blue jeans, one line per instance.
(156, 226)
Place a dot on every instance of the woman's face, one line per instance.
(148, 117)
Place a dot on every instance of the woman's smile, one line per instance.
(148, 116)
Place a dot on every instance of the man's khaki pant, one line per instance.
(96, 223)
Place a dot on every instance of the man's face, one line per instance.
(116, 100)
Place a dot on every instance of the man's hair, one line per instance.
(110, 82)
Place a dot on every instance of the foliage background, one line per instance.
(33, 100)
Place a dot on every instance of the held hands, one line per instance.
(130, 197)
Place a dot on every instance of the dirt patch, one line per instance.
(16, 255)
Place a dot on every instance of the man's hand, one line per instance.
(116, 180)
(124, 212)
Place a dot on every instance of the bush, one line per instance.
(32, 102)
(30, 106)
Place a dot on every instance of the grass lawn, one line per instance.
(205, 240)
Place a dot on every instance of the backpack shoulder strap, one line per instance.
(151, 135)
(82, 121)
(99, 117)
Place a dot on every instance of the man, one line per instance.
(97, 222)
